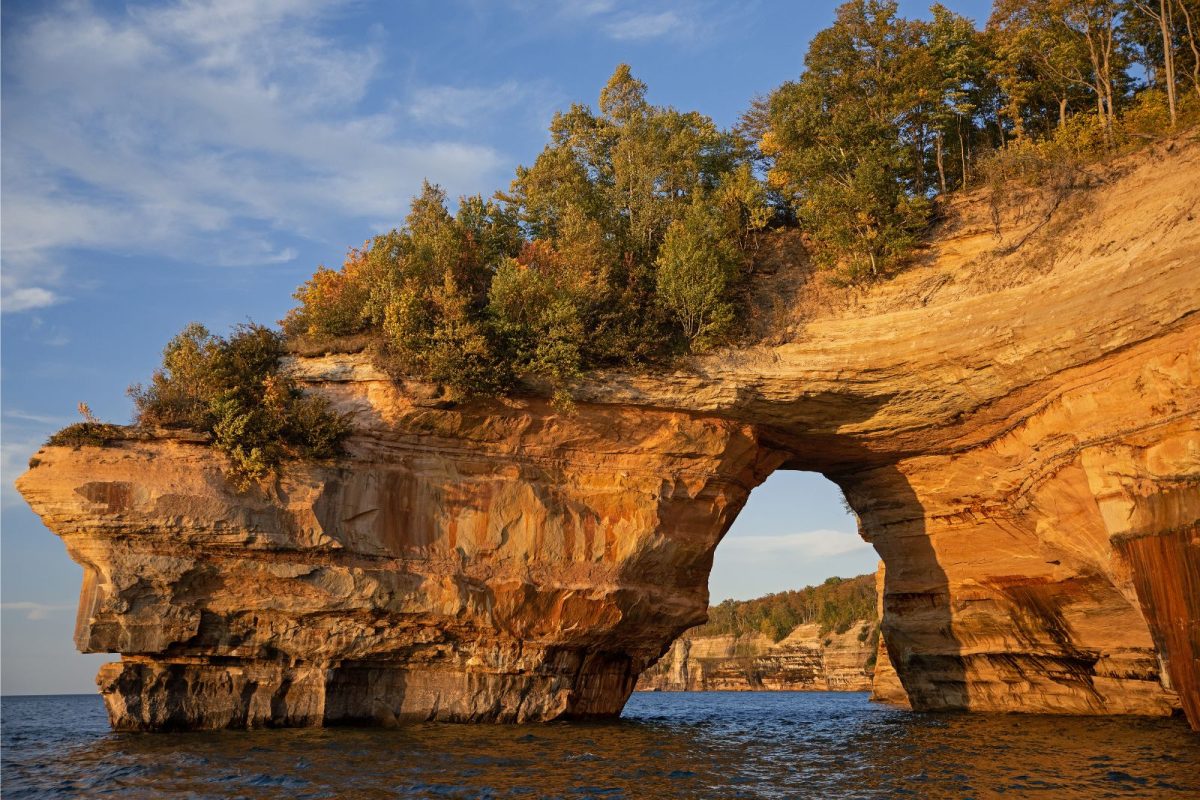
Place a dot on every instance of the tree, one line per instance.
(460, 352)
(602, 197)
(696, 270)
(1189, 12)
(1038, 60)
(741, 201)
(539, 320)
(847, 140)
(960, 58)
(1096, 23)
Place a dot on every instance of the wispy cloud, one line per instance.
(14, 460)
(41, 419)
(463, 106)
(647, 26)
(34, 611)
(213, 127)
(628, 21)
(25, 298)
(807, 544)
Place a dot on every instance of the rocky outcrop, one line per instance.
(515, 565)
(886, 686)
(1016, 422)
(807, 659)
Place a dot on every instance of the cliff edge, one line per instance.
(806, 660)
(1015, 420)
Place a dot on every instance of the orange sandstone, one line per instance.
(1016, 422)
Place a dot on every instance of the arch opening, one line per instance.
(792, 598)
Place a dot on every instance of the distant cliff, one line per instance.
(805, 660)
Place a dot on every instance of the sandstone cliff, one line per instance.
(805, 660)
(1016, 422)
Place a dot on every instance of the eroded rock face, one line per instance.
(807, 659)
(518, 565)
(1016, 423)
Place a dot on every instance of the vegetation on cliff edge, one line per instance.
(625, 241)
(631, 238)
(233, 388)
(835, 604)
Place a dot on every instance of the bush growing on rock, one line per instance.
(85, 434)
(233, 388)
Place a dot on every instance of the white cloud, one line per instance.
(808, 544)
(36, 611)
(646, 26)
(40, 419)
(205, 129)
(587, 8)
(455, 105)
(14, 460)
(532, 103)
(25, 298)
(624, 20)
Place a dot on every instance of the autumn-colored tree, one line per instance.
(1039, 65)
(835, 604)
(1095, 22)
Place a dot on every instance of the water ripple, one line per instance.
(719, 745)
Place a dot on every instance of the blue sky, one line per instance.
(176, 161)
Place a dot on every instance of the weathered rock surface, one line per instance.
(1016, 422)
(518, 565)
(805, 660)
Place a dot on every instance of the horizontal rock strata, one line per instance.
(807, 659)
(513, 566)
(1016, 422)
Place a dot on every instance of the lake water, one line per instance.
(667, 745)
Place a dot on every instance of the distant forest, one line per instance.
(631, 239)
(836, 604)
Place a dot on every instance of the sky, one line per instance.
(164, 162)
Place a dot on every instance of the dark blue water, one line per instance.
(668, 745)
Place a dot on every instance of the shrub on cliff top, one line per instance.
(621, 243)
(90, 433)
(233, 388)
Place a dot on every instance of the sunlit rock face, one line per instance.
(1015, 420)
(513, 565)
(807, 659)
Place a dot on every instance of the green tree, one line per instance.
(234, 389)
(539, 320)
(960, 58)
(840, 139)
(603, 195)
(697, 267)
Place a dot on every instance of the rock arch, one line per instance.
(1021, 445)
